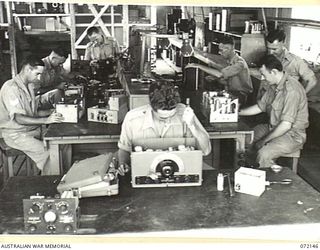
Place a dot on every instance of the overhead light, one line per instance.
(186, 49)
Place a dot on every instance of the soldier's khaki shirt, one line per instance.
(16, 98)
(237, 75)
(139, 124)
(286, 101)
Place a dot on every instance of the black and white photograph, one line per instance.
(153, 123)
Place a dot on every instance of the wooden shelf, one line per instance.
(200, 55)
(90, 14)
(140, 24)
(170, 63)
(297, 22)
(42, 15)
(106, 25)
(228, 33)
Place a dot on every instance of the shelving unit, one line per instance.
(112, 20)
(11, 35)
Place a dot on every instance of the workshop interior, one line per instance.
(108, 160)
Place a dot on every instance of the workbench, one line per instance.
(85, 132)
(203, 210)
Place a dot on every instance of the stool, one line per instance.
(295, 158)
(9, 155)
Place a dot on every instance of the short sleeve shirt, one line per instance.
(286, 101)
(237, 75)
(296, 67)
(139, 124)
(51, 76)
(299, 69)
(16, 98)
(101, 51)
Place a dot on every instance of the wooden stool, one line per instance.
(8, 157)
(295, 158)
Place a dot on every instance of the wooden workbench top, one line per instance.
(177, 208)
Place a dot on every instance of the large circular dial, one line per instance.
(50, 216)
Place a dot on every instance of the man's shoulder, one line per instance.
(293, 84)
(11, 84)
(239, 59)
(292, 57)
(138, 112)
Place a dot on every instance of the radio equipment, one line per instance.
(81, 67)
(219, 107)
(96, 176)
(55, 8)
(166, 162)
(58, 215)
(72, 106)
(112, 112)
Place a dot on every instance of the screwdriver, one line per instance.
(283, 182)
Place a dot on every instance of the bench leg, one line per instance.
(5, 168)
(295, 165)
(29, 166)
(10, 166)
(215, 145)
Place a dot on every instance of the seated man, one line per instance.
(100, 47)
(164, 117)
(52, 80)
(20, 119)
(292, 65)
(235, 76)
(286, 104)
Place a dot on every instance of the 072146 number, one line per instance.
(309, 246)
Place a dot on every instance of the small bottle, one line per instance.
(220, 182)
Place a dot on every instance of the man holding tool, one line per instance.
(164, 117)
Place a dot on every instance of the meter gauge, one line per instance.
(63, 207)
(50, 216)
(35, 208)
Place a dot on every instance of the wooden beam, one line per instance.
(12, 43)
(74, 54)
(125, 22)
(112, 21)
(297, 22)
(97, 17)
(1, 13)
(99, 20)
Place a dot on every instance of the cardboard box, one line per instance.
(250, 181)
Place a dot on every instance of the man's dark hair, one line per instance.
(33, 61)
(227, 40)
(163, 95)
(61, 51)
(92, 30)
(271, 62)
(276, 35)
